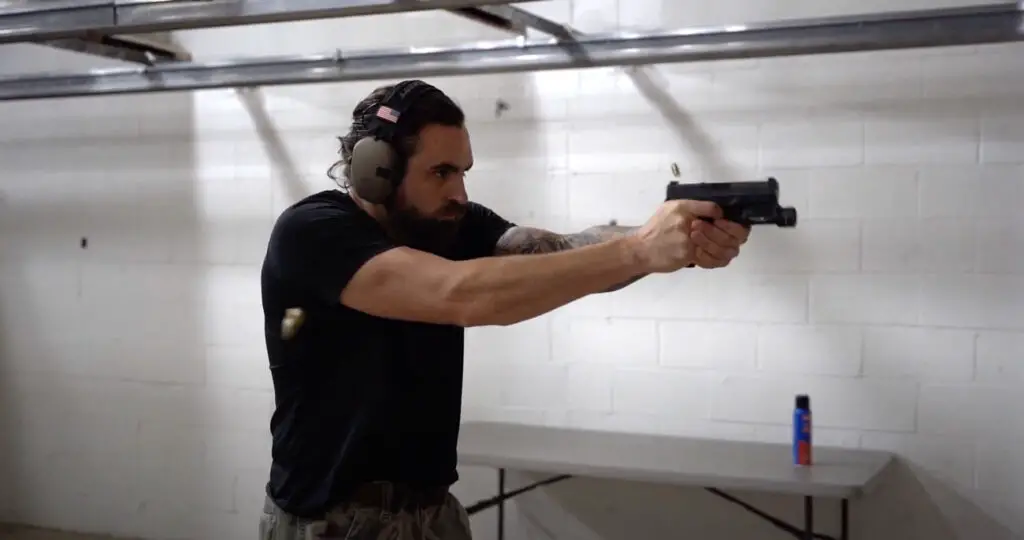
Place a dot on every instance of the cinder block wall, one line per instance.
(134, 398)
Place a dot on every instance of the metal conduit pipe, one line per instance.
(1000, 23)
(32, 21)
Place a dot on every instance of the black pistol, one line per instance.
(746, 203)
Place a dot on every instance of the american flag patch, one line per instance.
(387, 113)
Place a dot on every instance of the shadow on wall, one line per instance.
(655, 89)
(285, 169)
(901, 507)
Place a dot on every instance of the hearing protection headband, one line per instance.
(385, 122)
(378, 165)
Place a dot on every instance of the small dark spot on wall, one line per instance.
(500, 106)
(84, 243)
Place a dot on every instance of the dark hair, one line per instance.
(431, 108)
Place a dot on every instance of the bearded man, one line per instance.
(367, 291)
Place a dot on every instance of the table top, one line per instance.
(723, 464)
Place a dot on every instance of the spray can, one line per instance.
(802, 431)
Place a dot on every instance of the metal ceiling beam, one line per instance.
(30, 21)
(999, 23)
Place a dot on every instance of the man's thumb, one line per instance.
(706, 209)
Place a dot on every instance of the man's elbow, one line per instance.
(468, 315)
(482, 313)
(468, 308)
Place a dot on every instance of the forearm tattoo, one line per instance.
(529, 240)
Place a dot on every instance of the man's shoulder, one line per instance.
(475, 208)
(481, 231)
(325, 208)
(330, 201)
(481, 215)
(326, 218)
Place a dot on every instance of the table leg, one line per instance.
(808, 517)
(501, 505)
(844, 520)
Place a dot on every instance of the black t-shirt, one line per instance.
(358, 398)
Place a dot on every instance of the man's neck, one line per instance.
(380, 213)
(375, 211)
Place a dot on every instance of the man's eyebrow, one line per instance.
(446, 166)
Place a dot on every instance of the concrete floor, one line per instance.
(18, 532)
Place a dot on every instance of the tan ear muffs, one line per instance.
(373, 170)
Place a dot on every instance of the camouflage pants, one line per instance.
(394, 517)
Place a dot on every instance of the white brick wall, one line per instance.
(134, 397)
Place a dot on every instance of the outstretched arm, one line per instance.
(530, 240)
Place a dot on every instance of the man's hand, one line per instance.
(668, 241)
(718, 243)
(677, 236)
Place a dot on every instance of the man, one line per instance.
(376, 283)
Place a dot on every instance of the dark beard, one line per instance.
(437, 236)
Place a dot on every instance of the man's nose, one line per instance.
(458, 191)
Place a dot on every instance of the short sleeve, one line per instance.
(482, 228)
(320, 247)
